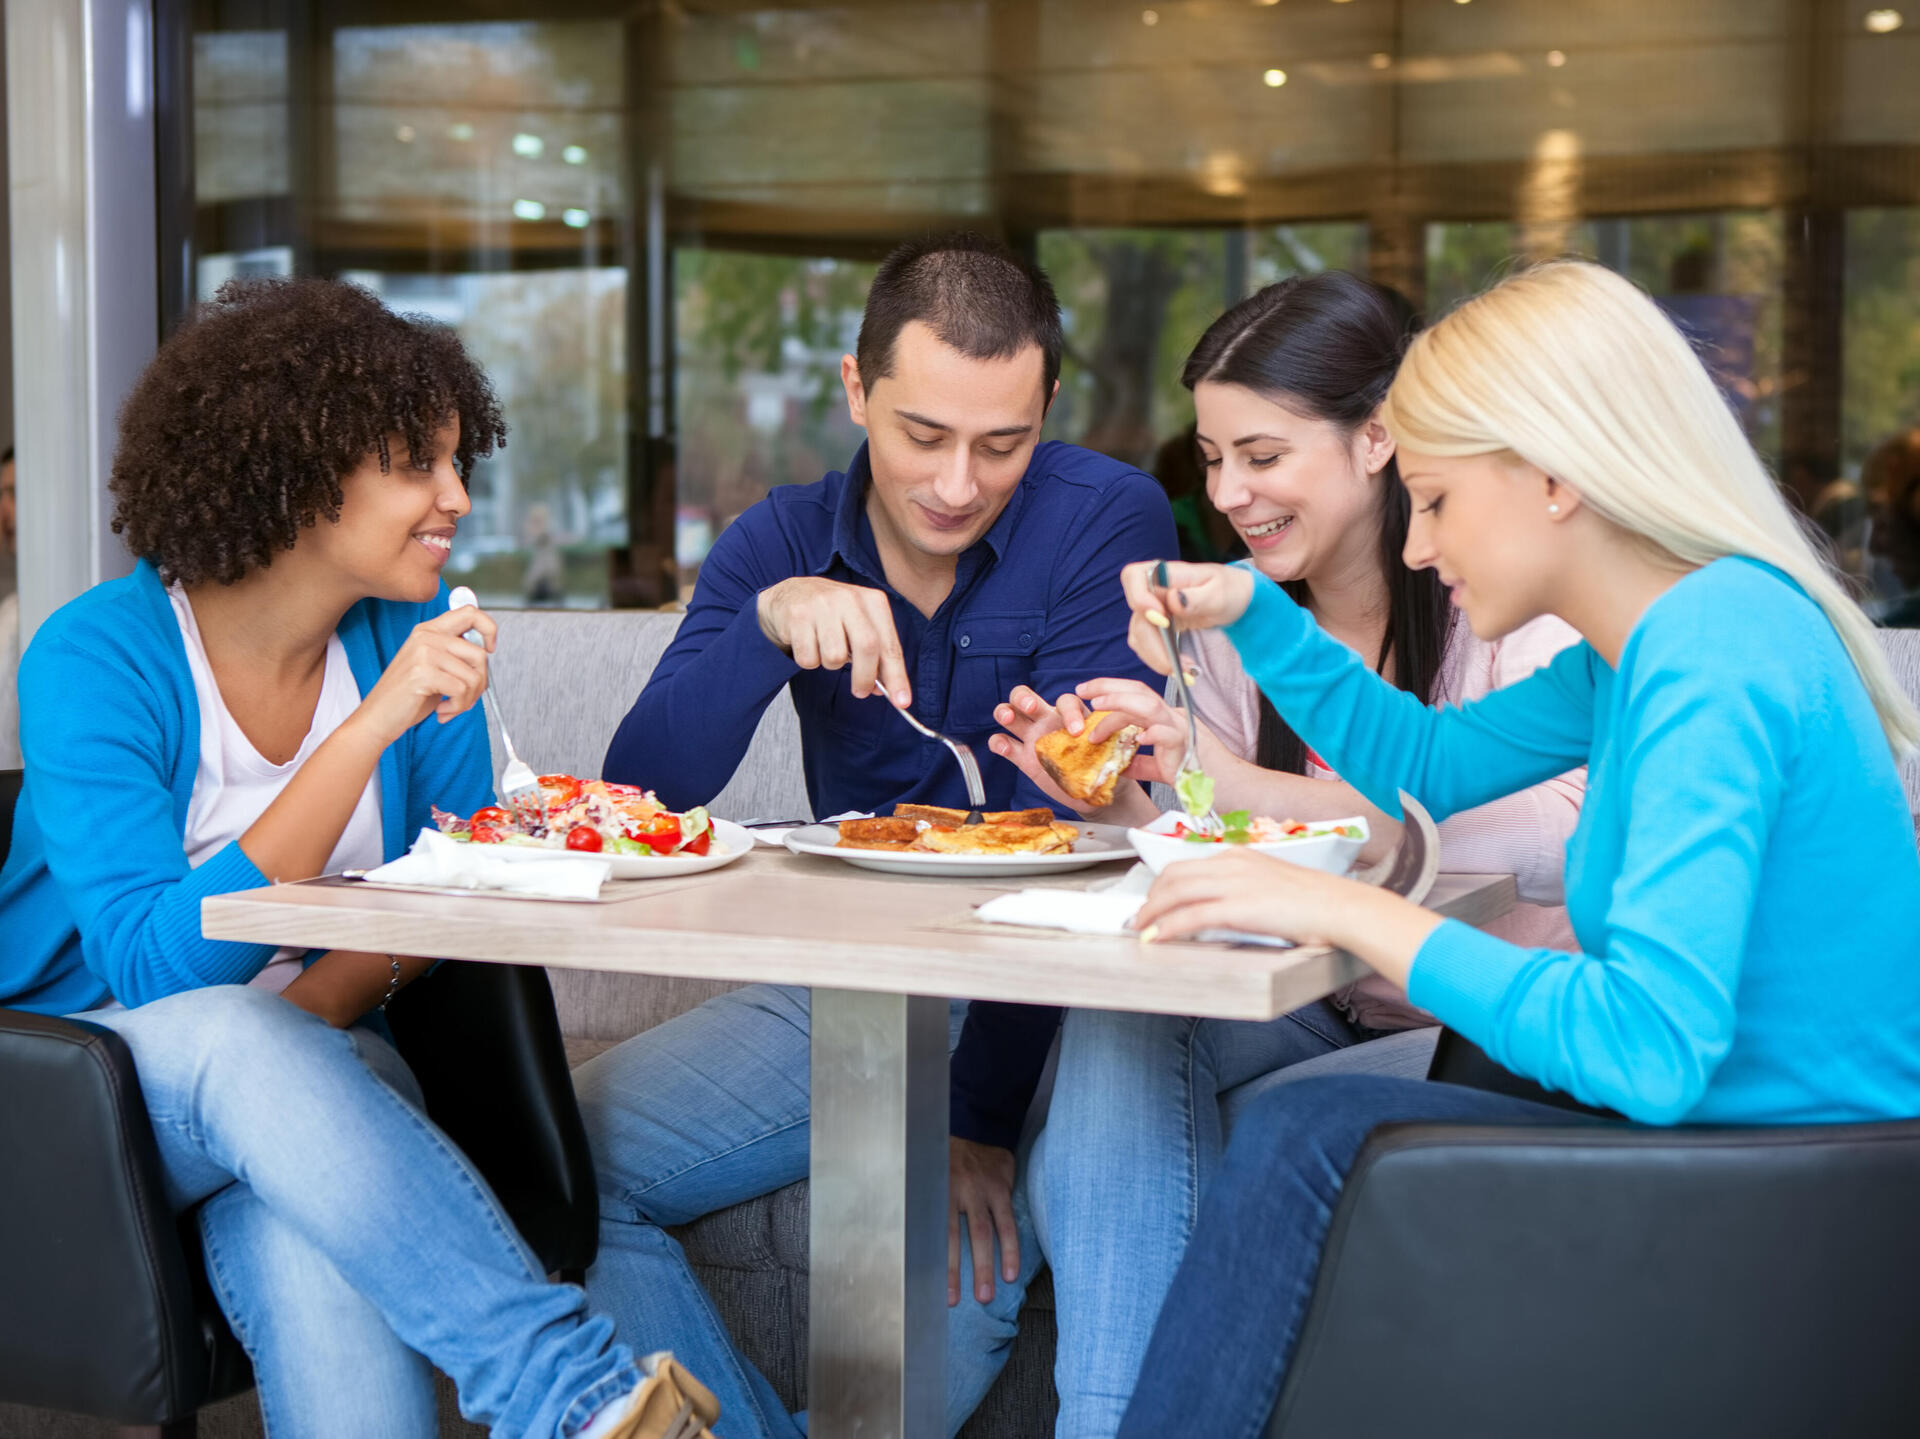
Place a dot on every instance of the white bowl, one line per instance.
(1158, 847)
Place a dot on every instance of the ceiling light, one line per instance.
(1149, 17)
(1275, 79)
(529, 210)
(404, 134)
(1380, 60)
(574, 154)
(528, 145)
(1884, 22)
(460, 130)
(1556, 58)
(576, 218)
(1223, 174)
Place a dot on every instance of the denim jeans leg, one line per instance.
(980, 1336)
(704, 1111)
(326, 1364)
(244, 1088)
(325, 1361)
(1220, 1350)
(1133, 1137)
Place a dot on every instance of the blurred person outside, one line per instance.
(1891, 479)
(546, 575)
(1206, 535)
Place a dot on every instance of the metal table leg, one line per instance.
(877, 1286)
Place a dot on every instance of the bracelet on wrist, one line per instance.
(393, 983)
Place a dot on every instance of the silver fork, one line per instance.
(1208, 823)
(519, 787)
(969, 767)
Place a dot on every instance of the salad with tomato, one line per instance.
(1241, 827)
(587, 816)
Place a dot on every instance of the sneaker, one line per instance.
(670, 1404)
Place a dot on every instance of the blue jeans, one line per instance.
(707, 1110)
(1112, 1186)
(1227, 1331)
(346, 1237)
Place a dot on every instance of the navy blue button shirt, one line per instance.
(1037, 601)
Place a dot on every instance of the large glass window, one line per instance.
(655, 224)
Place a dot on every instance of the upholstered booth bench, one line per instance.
(564, 680)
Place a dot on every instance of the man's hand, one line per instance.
(827, 625)
(980, 1186)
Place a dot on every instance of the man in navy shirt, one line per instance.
(957, 558)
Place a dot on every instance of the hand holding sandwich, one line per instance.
(1079, 757)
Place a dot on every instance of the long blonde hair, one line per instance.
(1574, 369)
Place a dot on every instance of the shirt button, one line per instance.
(965, 640)
(1026, 639)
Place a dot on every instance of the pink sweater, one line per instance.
(1524, 834)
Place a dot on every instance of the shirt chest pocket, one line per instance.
(991, 654)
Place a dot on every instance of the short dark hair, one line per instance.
(975, 294)
(240, 429)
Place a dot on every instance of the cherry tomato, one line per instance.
(487, 834)
(699, 844)
(584, 837)
(492, 814)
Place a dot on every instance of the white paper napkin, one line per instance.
(437, 860)
(1102, 908)
(1081, 911)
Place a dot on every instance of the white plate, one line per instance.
(1097, 844)
(730, 841)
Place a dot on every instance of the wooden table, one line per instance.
(878, 951)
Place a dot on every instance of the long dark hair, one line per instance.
(1327, 346)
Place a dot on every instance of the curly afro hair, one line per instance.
(237, 435)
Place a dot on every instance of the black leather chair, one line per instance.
(104, 1307)
(1489, 1282)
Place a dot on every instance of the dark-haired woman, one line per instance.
(1287, 387)
(279, 690)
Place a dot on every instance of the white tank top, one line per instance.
(234, 783)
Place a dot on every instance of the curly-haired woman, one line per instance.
(279, 690)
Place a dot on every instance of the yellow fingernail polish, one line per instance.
(1149, 934)
(1154, 617)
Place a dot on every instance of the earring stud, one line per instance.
(1553, 509)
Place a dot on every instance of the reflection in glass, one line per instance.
(657, 222)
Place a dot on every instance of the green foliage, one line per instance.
(1882, 335)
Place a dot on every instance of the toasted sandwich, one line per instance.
(895, 833)
(937, 814)
(1089, 773)
(1049, 838)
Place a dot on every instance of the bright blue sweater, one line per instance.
(96, 900)
(1743, 880)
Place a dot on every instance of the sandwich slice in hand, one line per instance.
(1088, 773)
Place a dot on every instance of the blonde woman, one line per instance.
(1567, 454)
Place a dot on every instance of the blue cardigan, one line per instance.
(1743, 880)
(97, 900)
